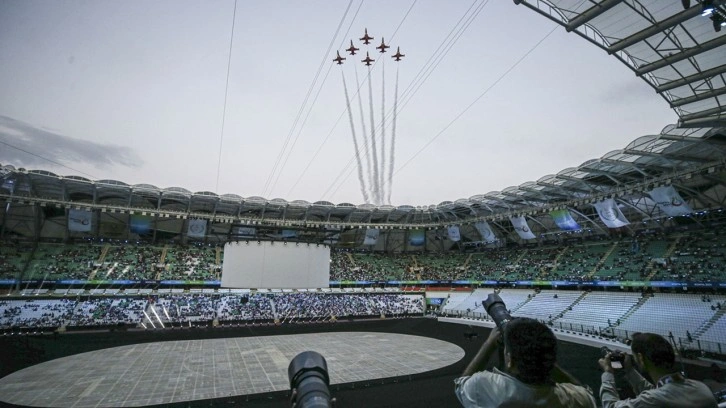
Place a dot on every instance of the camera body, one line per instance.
(616, 356)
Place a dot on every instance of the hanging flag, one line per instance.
(564, 220)
(416, 237)
(669, 201)
(610, 214)
(371, 236)
(79, 220)
(246, 232)
(520, 225)
(332, 239)
(454, 233)
(197, 228)
(487, 234)
(140, 224)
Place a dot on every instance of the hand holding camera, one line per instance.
(614, 360)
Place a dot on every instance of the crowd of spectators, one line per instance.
(35, 313)
(56, 261)
(184, 308)
(107, 312)
(311, 305)
(246, 307)
(692, 256)
(13, 257)
(190, 262)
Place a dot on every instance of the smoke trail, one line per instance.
(376, 186)
(355, 142)
(393, 141)
(383, 131)
(363, 125)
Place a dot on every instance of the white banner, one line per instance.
(197, 228)
(248, 232)
(610, 214)
(487, 235)
(669, 201)
(371, 236)
(79, 220)
(520, 225)
(454, 233)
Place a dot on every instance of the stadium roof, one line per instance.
(675, 154)
(676, 50)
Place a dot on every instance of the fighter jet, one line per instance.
(368, 59)
(339, 60)
(398, 54)
(352, 48)
(383, 46)
(366, 38)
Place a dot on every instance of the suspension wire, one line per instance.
(226, 91)
(501, 77)
(312, 105)
(342, 114)
(437, 56)
(447, 43)
(305, 101)
(48, 160)
(330, 66)
(347, 167)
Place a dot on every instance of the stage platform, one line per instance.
(177, 371)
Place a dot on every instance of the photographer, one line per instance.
(531, 377)
(655, 358)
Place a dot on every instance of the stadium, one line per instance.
(119, 294)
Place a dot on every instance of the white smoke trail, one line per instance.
(376, 186)
(383, 131)
(366, 149)
(391, 162)
(355, 142)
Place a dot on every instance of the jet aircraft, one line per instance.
(366, 38)
(339, 60)
(383, 46)
(352, 48)
(398, 54)
(368, 59)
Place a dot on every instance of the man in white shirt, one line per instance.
(531, 377)
(655, 358)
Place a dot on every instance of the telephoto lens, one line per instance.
(308, 374)
(497, 310)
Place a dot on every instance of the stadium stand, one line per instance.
(664, 313)
(691, 256)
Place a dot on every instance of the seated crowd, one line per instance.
(693, 256)
(186, 308)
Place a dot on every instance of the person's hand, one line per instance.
(605, 364)
(494, 335)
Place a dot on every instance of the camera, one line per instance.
(497, 310)
(309, 380)
(616, 356)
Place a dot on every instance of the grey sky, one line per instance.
(149, 77)
(20, 143)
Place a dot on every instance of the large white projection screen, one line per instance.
(275, 265)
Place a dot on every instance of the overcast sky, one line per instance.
(134, 91)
